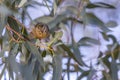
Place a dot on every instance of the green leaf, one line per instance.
(36, 53)
(1, 41)
(77, 54)
(25, 54)
(105, 4)
(106, 75)
(57, 36)
(87, 41)
(111, 24)
(11, 60)
(76, 57)
(90, 18)
(3, 70)
(105, 62)
(63, 16)
(114, 70)
(57, 67)
(71, 10)
(54, 7)
(91, 74)
(44, 19)
(22, 3)
(100, 5)
(68, 12)
(105, 36)
(13, 24)
(44, 53)
(14, 49)
(100, 54)
(4, 47)
(26, 70)
(4, 12)
(12, 65)
(113, 38)
(56, 20)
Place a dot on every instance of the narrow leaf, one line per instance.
(77, 53)
(91, 74)
(114, 70)
(105, 36)
(13, 24)
(26, 71)
(57, 67)
(106, 75)
(93, 20)
(22, 3)
(44, 19)
(105, 4)
(55, 7)
(58, 36)
(111, 24)
(88, 40)
(72, 55)
(35, 52)
(100, 5)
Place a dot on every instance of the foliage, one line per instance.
(22, 59)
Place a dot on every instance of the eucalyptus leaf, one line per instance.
(15, 48)
(25, 54)
(4, 12)
(113, 38)
(94, 20)
(91, 74)
(2, 52)
(44, 53)
(57, 36)
(77, 54)
(12, 66)
(33, 4)
(100, 5)
(56, 20)
(106, 75)
(105, 62)
(13, 24)
(71, 10)
(35, 52)
(105, 36)
(44, 19)
(63, 15)
(26, 71)
(55, 7)
(11, 60)
(88, 40)
(114, 70)
(22, 3)
(76, 57)
(57, 67)
(105, 4)
(3, 70)
(100, 54)
(111, 24)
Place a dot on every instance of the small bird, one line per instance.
(40, 31)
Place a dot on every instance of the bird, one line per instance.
(40, 31)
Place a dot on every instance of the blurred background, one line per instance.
(84, 37)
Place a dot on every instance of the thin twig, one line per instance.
(47, 5)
